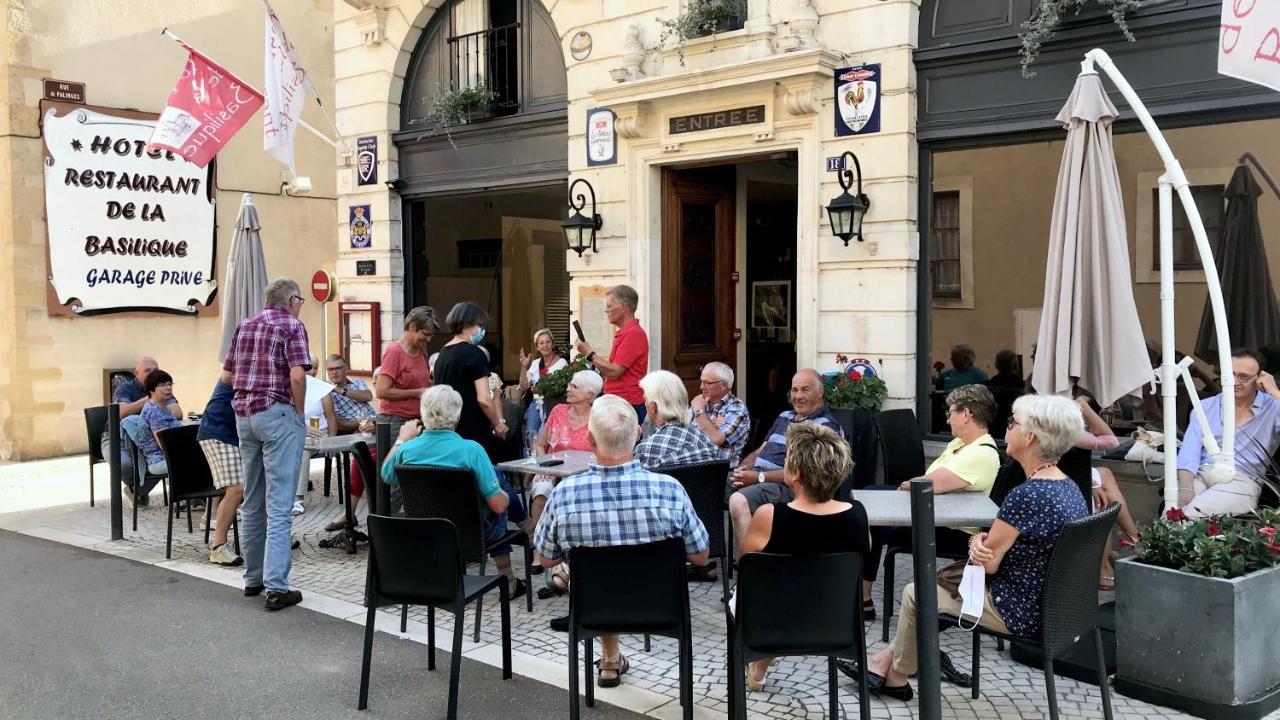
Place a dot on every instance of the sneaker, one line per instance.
(224, 555)
(298, 509)
(282, 600)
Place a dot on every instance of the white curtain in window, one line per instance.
(470, 51)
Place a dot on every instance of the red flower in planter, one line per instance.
(1268, 533)
(855, 375)
(1125, 541)
(1213, 529)
(938, 367)
(1274, 548)
(1175, 514)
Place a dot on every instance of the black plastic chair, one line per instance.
(901, 444)
(95, 424)
(705, 485)
(767, 624)
(628, 590)
(191, 480)
(141, 475)
(451, 493)
(416, 561)
(1068, 605)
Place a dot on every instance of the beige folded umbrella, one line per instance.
(1089, 329)
(246, 274)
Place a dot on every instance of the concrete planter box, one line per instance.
(1204, 645)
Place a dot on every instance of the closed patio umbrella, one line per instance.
(1253, 316)
(246, 274)
(1089, 329)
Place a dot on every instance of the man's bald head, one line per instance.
(144, 367)
(806, 392)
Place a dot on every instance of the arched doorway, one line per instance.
(483, 153)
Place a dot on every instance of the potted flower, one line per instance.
(854, 393)
(553, 386)
(1195, 615)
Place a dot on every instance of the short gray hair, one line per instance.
(590, 381)
(1055, 421)
(335, 357)
(626, 295)
(422, 318)
(281, 291)
(722, 371)
(441, 406)
(666, 391)
(613, 424)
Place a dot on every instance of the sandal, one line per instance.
(336, 525)
(752, 684)
(1107, 583)
(617, 667)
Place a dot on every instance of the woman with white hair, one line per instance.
(673, 441)
(1015, 553)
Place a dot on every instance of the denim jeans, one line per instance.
(270, 451)
(129, 427)
(496, 525)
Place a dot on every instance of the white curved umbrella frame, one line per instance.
(1175, 180)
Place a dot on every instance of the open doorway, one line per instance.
(729, 275)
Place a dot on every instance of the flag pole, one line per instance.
(169, 34)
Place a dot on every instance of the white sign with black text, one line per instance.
(128, 229)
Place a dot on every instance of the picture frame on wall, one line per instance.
(771, 305)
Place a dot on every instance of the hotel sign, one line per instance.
(717, 120)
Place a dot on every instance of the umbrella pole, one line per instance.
(1174, 178)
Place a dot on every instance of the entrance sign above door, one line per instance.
(858, 100)
(128, 229)
(602, 137)
(716, 120)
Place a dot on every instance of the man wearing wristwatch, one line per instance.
(628, 359)
(719, 414)
(758, 479)
(347, 407)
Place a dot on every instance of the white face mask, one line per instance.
(973, 592)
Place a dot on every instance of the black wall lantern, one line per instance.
(579, 230)
(846, 211)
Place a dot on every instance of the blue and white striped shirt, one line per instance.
(774, 451)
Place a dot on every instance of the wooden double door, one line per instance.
(698, 293)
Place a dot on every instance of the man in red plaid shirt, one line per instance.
(267, 365)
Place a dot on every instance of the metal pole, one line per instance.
(923, 553)
(113, 458)
(383, 440)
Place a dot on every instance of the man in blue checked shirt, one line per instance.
(616, 502)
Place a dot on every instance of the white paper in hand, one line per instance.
(973, 591)
(317, 390)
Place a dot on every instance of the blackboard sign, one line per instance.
(366, 267)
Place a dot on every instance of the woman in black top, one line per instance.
(813, 524)
(463, 366)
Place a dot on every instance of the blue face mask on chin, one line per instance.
(478, 337)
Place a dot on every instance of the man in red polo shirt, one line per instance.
(629, 357)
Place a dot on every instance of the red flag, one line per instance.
(206, 107)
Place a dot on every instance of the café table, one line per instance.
(892, 508)
(342, 446)
(571, 462)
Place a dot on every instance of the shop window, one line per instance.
(944, 245)
(1210, 204)
(479, 254)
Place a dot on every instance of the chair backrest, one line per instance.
(864, 441)
(95, 424)
(413, 560)
(799, 604)
(705, 485)
(1010, 476)
(902, 444)
(1069, 603)
(1077, 464)
(1004, 397)
(188, 468)
(449, 493)
(364, 462)
(629, 588)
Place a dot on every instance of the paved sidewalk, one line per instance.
(333, 583)
(189, 648)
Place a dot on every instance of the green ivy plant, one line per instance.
(1048, 16)
(1220, 547)
(454, 106)
(554, 385)
(700, 19)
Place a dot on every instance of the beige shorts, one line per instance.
(224, 462)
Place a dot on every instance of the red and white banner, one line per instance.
(1249, 46)
(286, 87)
(206, 107)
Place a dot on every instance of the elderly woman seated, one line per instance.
(813, 523)
(565, 429)
(434, 442)
(674, 441)
(1015, 553)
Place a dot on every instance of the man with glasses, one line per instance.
(267, 366)
(719, 414)
(348, 405)
(1257, 437)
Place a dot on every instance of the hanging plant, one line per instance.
(700, 19)
(1044, 23)
(454, 107)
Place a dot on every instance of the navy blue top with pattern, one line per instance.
(1037, 509)
(774, 451)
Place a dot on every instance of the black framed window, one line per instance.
(944, 245)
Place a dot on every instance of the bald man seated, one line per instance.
(758, 478)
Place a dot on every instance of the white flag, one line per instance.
(1249, 46)
(285, 89)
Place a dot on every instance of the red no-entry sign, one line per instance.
(323, 286)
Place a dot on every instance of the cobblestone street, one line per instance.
(333, 582)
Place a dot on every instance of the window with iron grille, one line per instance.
(1210, 203)
(944, 245)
